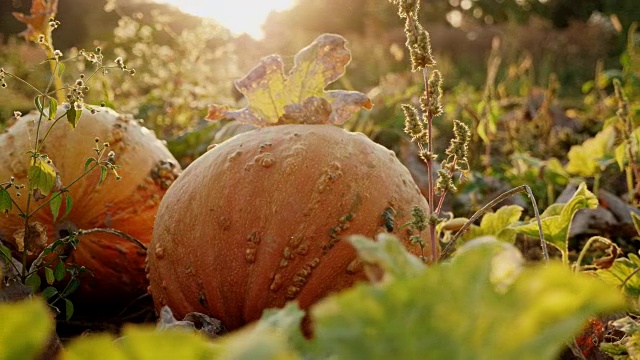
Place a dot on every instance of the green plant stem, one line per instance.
(49, 130)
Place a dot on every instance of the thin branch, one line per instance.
(116, 233)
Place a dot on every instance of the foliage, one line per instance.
(43, 177)
(26, 327)
(556, 220)
(180, 69)
(298, 98)
(486, 308)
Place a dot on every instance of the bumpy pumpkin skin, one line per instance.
(129, 205)
(261, 219)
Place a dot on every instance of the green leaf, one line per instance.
(68, 205)
(5, 252)
(387, 253)
(73, 116)
(73, 285)
(42, 177)
(49, 292)
(55, 203)
(556, 220)
(89, 162)
(624, 270)
(39, 105)
(26, 327)
(5, 201)
(621, 154)
(274, 336)
(299, 97)
(497, 224)
(48, 275)
(456, 311)
(141, 343)
(68, 309)
(53, 108)
(636, 221)
(103, 173)
(61, 69)
(59, 271)
(587, 159)
(34, 281)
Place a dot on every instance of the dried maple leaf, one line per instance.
(299, 97)
(38, 20)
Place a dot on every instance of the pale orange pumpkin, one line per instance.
(147, 169)
(261, 219)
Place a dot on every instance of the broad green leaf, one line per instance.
(89, 162)
(587, 159)
(73, 116)
(73, 285)
(299, 97)
(456, 311)
(141, 343)
(34, 281)
(103, 173)
(53, 108)
(68, 205)
(25, 328)
(68, 309)
(49, 292)
(55, 203)
(5, 252)
(275, 336)
(39, 104)
(496, 224)
(48, 275)
(42, 177)
(556, 220)
(5, 201)
(61, 69)
(621, 154)
(624, 270)
(387, 253)
(59, 271)
(636, 221)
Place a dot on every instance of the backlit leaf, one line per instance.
(48, 275)
(141, 343)
(55, 203)
(556, 220)
(53, 107)
(456, 311)
(5, 200)
(26, 327)
(636, 221)
(587, 159)
(68, 205)
(299, 97)
(42, 176)
(73, 116)
(496, 224)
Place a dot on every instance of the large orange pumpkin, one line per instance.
(147, 169)
(261, 219)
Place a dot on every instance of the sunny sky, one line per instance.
(239, 16)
